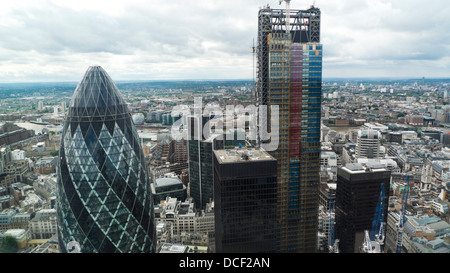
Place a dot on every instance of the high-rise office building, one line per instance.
(245, 198)
(289, 75)
(357, 194)
(201, 176)
(201, 168)
(368, 144)
(104, 201)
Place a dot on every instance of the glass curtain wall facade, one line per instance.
(290, 76)
(201, 172)
(245, 196)
(357, 195)
(201, 168)
(104, 201)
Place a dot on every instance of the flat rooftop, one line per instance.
(167, 181)
(15, 232)
(173, 248)
(362, 168)
(242, 155)
(328, 153)
(375, 126)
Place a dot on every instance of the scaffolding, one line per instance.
(304, 28)
(284, 38)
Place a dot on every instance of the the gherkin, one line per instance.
(104, 201)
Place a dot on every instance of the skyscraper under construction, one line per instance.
(289, 75)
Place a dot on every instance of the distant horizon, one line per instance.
(229, 80)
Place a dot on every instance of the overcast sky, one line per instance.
(211, 39)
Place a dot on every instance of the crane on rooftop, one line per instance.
(288, 14)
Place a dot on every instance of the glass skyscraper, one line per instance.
(357, 195)
(201, 168)
(201, 172)
(104, 201)
(289, 76)
(245, 198)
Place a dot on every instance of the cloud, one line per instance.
(190, 39)
(180, 39)
(386, 38)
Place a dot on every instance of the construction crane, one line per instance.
(377, 231)
(402, 218)
(374, 240)
(367, 244)
(288, 14)
(333, 244)
(253, 66)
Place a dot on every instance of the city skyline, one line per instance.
(149, 40)
(350, 165)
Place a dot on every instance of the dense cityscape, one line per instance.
(360, 166)
(410, 117)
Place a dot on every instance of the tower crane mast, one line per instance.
(402, 219)
(333, 243)
(377, 231)
(374, 240)
(288, 14)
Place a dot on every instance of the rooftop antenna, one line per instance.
(288, 14)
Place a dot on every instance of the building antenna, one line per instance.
(288, 14)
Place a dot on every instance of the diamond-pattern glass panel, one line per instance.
(104, 200)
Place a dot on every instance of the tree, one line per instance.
(9, 244)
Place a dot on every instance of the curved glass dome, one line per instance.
(104, 201)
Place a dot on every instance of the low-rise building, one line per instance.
(13, 218)
(44, 245)
(46, 185)
(185, 222)
(439, 206)
(21, 236)
(43, 225)
(168, 186)
(5, 218)
(422, 234)
(45, 165)
(175, 248)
